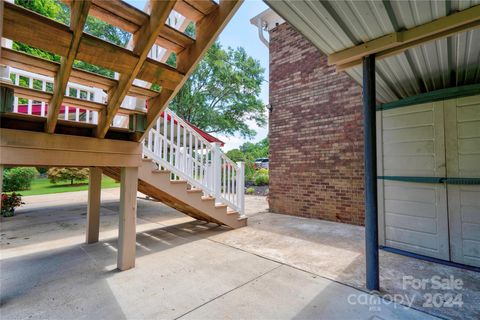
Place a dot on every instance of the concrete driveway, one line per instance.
(279, 267)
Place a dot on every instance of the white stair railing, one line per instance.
(175, 146)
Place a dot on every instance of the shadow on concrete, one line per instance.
(73, 273)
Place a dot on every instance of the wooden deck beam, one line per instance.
(143, 42)
(27, 148)
(78, 17)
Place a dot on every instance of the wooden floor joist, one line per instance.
(36, 30)
(207, 30)
(143, 42)
(71, 43)
(126, 17)
(78, 17)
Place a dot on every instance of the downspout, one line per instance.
(260, 33)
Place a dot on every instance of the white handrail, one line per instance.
(174, 145)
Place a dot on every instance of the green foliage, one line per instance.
(222, 93)
(60, 12)
(248, 152)
(250, 190)
(19, 178)
(235, 155)
(9, 203)
(67, 174)
(261, 177)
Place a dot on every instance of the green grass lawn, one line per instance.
(44, 186)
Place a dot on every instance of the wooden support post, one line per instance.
(93, 211)
(127, 219)
(371, 209)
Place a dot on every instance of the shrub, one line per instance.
(9, 203)
(262, 171)
(250, 190)
(67, 174)
(261, 180)
(19, 178)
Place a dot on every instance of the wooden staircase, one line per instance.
(179, 195)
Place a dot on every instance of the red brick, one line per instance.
(316, 135)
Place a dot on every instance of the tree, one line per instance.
(67, 174)
(221, 95)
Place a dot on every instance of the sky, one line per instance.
(240, 33)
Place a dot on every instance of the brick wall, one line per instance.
(316, 136)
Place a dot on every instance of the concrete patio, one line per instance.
(279, 267)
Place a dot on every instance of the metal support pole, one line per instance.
(371, 211)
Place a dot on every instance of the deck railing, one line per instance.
(175, 146)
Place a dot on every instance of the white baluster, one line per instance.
(87, 116)
(241, 187)
(42, 106)
(216, 170)
(30, 85)
(184, 149)
(15, 99)
(65, 116)
(172, 138)
(77, 114)
(165, 147)
(177, 151)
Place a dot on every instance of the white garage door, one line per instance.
(419, 145)
(462, 127)
(415, 214)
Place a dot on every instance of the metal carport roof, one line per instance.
(333, 26)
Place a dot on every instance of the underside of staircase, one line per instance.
(179, 195)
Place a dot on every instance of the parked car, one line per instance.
(261, 163)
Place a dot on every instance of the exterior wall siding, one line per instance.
(316, 135)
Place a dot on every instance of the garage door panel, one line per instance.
(469, 112)
(468, 130)
(421, 165)
(413, 223)
(462, 133)
(469, 146)
(408, 134)
(416, 217)
(413, 141)
(399, 192)
(468, 165)
(410, 120)
(471, 231)
(420, 242)
(411, 209)
(410, 148)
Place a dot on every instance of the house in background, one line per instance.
(427, 129)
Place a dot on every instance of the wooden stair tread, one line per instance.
(194, 190)
(178, 181)
(160, 171)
